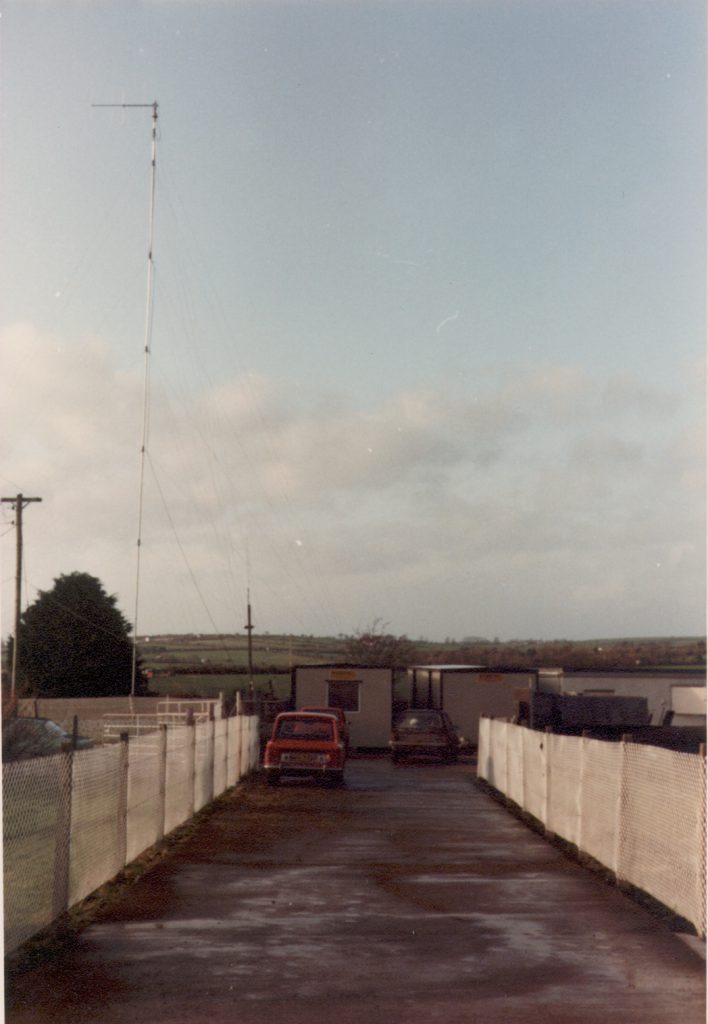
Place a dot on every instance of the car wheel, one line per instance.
(273, 778)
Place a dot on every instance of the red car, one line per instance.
(305, 743)
(341, 719)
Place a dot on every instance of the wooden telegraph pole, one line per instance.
(19, 502)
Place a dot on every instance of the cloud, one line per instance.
(550, 502)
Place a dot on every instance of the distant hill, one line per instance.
(228, 653)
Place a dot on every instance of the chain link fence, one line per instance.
(36, 815)
(97, 836)
(662, 838)
(638, 810)
(147, 793)
(73, 820)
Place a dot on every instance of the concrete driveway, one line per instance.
(410, 895)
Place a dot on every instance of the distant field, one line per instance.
(206, 665)
(188, 685)
(277, 651)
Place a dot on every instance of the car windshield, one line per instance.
(421, 720)
(305, 729)
(54, 729)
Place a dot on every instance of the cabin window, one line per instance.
(343, 694)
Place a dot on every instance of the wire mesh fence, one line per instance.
(638, 810)
(36, 853)
(220, 752)
(661, 839)
(98, 818)
(72, 821)
(534, 773)
(203, 764)
(233, 749)
(146, 792)
(563, 800)
(601, 777)
(179, 776)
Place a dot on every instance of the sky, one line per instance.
(427, 331)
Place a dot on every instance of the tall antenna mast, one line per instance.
(146, 372)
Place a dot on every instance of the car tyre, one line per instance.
(273, 778)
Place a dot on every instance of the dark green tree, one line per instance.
(74, 642)
(376, 647)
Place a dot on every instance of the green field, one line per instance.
(206, 665)
(231, 650)
(228, 684)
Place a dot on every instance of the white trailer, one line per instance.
(362, 692)
(468, 692)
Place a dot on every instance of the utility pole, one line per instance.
(19, 502)
(249, 629)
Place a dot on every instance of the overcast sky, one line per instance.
(429, 322)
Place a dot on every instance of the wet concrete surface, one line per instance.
(407, 895)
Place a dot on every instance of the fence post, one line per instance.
(505, 730)
(620, 807)
(547, 733)
(581, 788)
(62, 844)
(701, 873)
(122, 816)
(496, 761)
(191, 761)
(210, 754)
(227, 742)
(161, 781)
(241, 744)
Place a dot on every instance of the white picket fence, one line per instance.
(638, 810)
(74, 820)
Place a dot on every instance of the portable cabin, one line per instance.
(683, 693)
(468, 692)
(364, 693)
(688, 705)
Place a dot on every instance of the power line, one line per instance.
(179, 545)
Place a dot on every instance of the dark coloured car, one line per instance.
(36, 737)
(427, 732)
(305, 744)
